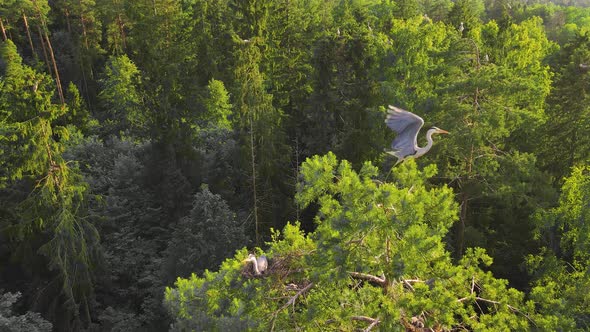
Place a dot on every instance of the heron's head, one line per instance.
(251, 258)
(439, 131)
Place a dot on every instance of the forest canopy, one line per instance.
(148, 147)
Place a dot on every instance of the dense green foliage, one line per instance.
(332, 279)
(147, 146)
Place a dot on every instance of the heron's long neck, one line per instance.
(421, 151)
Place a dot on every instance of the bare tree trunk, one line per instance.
(254, 183)
(82, 22)
(462, 222)
(44, 47)
(297, 173)
(57, 79)
(28, 33)
(122, 32)
(67, 13)
(51, 53)
(464, 208)
(3, 30)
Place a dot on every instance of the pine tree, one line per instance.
(204, 238)
(564, 143)
(122, 109)
(264, 151)
(377, 259)
(561, 269)
(49, 218)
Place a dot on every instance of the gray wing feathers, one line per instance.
(406, 125)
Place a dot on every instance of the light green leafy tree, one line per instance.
(376, 259)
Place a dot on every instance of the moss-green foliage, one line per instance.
(391, 231)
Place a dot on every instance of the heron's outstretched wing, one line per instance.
(406, 125)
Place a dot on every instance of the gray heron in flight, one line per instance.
(259, 264)
(407, 125)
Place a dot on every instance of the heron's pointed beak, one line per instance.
(441, 131)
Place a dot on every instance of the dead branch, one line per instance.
(290, 302)
(294, 297)
(369, 277)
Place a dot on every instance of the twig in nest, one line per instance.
(374, 322)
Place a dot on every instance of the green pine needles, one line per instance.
(376, 259)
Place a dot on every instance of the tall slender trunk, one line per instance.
(51, 53)
(462, 222)
(254, 183)
(28, 33)
(460, 241)
(121, 31)
(82, 23)
(57, 79)
(68, 23)
(44, 47)
(3, 29)
(572, 152)
(297, 173)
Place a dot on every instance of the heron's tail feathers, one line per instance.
(395, 154)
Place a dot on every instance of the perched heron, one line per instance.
(407, 125)
(461, 27)
(259, 264)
